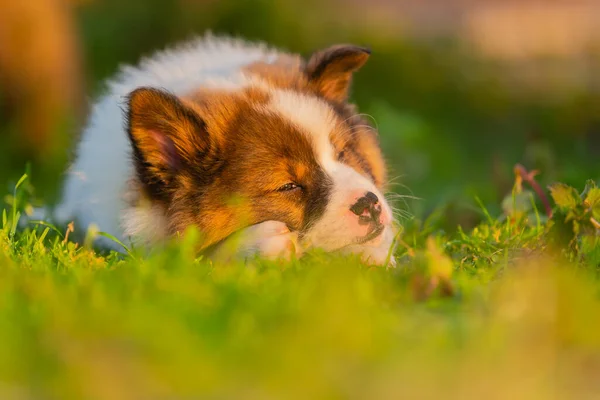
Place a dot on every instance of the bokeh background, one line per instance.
(461, 91)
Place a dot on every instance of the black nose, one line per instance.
(369, 205)
(372, 198)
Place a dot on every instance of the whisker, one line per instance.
(391, 180)
(404, 212)
(401, 212)
(371, 117)
(350, 130)
(401, 196)
(364, 126)
(398, 217)
(400, 185)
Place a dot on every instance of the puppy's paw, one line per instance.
(272, 240)
(269, 239)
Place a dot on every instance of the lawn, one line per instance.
(496, 294)
(508, 310)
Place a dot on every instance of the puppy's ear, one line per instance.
(166, 136)
(330, 70)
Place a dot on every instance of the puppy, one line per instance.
(241, 141)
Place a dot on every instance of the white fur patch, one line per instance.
(144, 225)
(95, 185)
(331, 231)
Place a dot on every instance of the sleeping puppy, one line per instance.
(238, 140)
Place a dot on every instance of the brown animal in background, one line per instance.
(40, 74)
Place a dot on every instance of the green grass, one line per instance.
(506, 306)
(508, 310)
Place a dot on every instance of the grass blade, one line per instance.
(16, 215)
(48, 225)
(114, 239)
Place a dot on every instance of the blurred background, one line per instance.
(460, 90)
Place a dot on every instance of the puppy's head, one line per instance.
(286, 147)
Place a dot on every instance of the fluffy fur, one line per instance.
(239, 140)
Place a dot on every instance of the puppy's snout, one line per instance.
(367, 208)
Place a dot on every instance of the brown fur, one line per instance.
(356, 141)
(203, 156)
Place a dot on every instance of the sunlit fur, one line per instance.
(206, 134)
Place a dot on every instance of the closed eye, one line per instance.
(288, 187)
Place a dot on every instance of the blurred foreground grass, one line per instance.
(508, 310)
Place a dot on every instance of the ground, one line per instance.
(507, 310)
